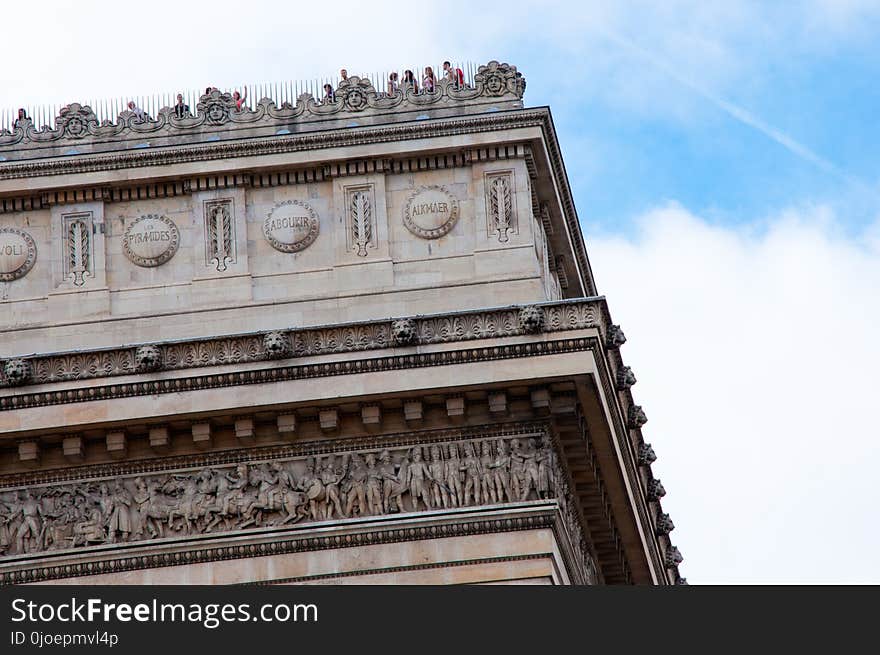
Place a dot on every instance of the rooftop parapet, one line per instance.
(77, 129)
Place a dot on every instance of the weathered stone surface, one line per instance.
(171, 249)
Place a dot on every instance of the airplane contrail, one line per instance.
(742, 115)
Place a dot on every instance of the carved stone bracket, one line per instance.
(664, 524)
(636, 417)
(646, 455)
(673, 557)
(655, 490)
(615, 337)
(625, 378)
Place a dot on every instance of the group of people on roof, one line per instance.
(429, 84)
(395, 85)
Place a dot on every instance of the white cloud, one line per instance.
(107, 49)
(756, 356)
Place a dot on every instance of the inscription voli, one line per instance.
(151, 240)
(431, 212)
(18, 252)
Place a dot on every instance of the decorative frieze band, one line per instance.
(222, 499)
(315, 341)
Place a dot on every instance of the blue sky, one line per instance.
(724, 162)
(632, 145)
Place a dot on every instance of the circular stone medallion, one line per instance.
(291, 226)
(151, 240)
(18, 252)
(430, 212)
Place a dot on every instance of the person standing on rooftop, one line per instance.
(137, 111)
(239, 99)
(428, 80)
(181, 109)
(393, 86)
(409, 81)
(454, 75)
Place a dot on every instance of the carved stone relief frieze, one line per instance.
(135, 507)
(500, 205)
(219, 233)
(151, 240)
(78, 257)
(360, 219)
(431, 212)
(291, 226)
(18, 253)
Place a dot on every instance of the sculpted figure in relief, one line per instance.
(501, 467)
(356, 487)
(454, 468)
(393, 482)
(120, 513)
(545, 485)
(487, 479)
(331, 477)
(417, 480)
(440, 493)
(374, 485)
(473, 475)
(28, 534)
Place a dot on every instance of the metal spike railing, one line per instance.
(108, 109)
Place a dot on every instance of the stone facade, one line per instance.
(296, 330)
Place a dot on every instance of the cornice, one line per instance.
(281, 144)
(301, 372)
